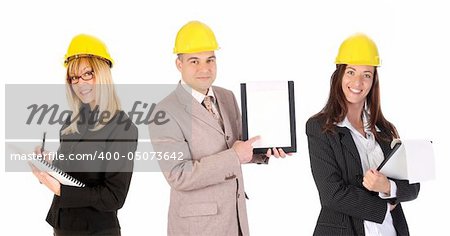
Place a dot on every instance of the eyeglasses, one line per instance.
(86, 76)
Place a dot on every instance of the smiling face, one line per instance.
(84, 75)
(356, 84)
(198, 70)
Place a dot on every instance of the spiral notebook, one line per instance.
(43, 165)
(57, 173)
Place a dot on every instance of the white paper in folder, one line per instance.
(413, 161)
(267, 104)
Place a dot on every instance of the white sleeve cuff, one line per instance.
(393, 191)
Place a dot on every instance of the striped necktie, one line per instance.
(208, 104)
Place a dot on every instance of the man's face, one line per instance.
(198, 70)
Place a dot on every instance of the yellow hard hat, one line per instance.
(84, 45)
(194, 37)
(358, 49)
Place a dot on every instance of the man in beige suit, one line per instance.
(207, 189)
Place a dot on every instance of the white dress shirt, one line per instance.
(200, 96)
(371, 157)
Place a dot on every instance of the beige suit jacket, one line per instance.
(207, 189)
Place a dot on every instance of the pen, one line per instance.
(43, 144)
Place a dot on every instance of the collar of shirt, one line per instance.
(196, 94)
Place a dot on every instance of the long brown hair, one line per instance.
(336, 108)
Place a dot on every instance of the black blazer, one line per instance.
(337, 171)
(94, 208)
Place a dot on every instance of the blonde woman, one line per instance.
(96, 125)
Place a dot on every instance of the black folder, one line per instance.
(289, 103)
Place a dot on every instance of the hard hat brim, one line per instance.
(108, 61)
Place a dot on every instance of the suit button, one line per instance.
(228, 137)
(238, 195)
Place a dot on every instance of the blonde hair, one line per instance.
(105, 95)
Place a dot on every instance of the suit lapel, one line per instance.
(348, 142)
(195, 109)
(202, 114)
(221, 102)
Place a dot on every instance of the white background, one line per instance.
(259, 40)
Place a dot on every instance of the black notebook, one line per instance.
(57, 173)
(396, 147)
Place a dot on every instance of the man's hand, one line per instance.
(244, 150)
(277, 153)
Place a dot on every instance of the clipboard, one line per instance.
(396, 147)
(413, 160)
(268, 110)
